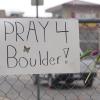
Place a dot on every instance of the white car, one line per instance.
(87, 74)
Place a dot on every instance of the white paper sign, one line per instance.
(37, 46)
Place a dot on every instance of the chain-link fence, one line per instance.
(78, 86)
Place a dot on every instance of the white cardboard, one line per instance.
(39, 46)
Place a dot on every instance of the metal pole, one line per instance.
(38, 78)
(37, 15)
(38, 87)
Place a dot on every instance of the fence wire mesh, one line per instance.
(59, 86)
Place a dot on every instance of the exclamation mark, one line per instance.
(66, 51)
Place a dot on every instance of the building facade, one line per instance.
(89, 31)
(2, 13)
(76, 9)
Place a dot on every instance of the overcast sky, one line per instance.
(25, 6)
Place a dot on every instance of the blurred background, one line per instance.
(24, 6)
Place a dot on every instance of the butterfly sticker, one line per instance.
(26, 49)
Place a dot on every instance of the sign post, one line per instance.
(37, 3)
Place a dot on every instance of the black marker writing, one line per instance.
(13, 56)
(62, 31)
(44, 27)
(32, 28)
(11, 28)
(43, 59)
(18, 33)
(66, 52)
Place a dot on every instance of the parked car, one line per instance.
(87, 72)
